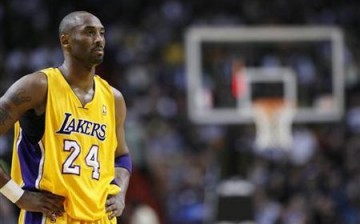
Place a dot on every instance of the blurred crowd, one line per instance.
(173, 157)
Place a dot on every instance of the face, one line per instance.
(87, 41)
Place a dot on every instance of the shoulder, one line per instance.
(29, 92)
(37, 83)
(118, 96)
(33, 84)
(120, 106)
(37, 79)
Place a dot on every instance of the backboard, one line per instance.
(229, 68)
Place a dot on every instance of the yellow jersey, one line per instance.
(76, 153)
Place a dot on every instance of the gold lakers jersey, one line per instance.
(75, 156)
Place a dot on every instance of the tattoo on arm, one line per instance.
(4, 115)
(19, 97)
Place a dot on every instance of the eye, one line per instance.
(90, 31)
(102, 32)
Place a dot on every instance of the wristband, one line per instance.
(124, 161)
(12, 191)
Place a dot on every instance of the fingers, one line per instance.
(111, 208)
(114, 207)
(53, 217)
(115, 213)
(52, 204)
(54, 197)
(57, 210)
(110, 200)
(111, 205)
(111, 216)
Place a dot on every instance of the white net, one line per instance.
(273, 119)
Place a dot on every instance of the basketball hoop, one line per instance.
(273, 119)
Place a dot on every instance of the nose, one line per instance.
(99, 38)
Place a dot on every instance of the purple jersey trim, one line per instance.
(29, 156)
(33, 218)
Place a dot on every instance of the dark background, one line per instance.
(174, 158)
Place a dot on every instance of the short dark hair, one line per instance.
(67, 23)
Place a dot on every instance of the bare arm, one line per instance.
(122, 175)
(27, 93)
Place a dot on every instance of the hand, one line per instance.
(115, 205)
(45, 202)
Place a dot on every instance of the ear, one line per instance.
(65, 40)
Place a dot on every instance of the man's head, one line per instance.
(82, 37)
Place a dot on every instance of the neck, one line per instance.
(78, 76)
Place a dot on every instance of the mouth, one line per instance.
(98, 50)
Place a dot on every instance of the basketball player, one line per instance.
(70, 154)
